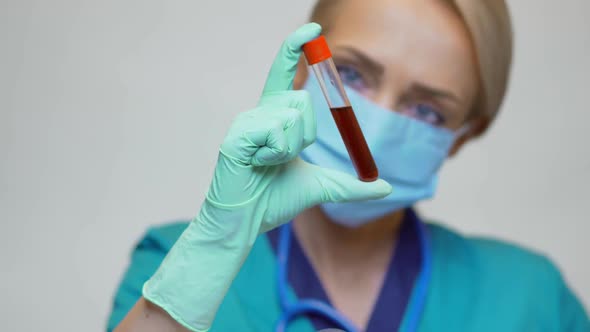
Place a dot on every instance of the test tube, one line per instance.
(319, 57)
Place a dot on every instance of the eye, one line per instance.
(352, 78)
(425, 113)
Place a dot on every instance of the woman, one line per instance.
(424, 77)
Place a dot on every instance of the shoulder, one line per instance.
(499, 272)
(489, 254)
(494, 260)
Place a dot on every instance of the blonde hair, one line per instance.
(490, 28)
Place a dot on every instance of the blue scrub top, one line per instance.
(477, 284)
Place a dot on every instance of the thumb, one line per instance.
(336, 186)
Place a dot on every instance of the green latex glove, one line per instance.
(259, 183)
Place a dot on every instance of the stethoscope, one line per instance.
(304, 306)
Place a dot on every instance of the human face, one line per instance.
(411, 56)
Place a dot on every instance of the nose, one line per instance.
(385, 96)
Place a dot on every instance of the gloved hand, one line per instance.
(259, 183)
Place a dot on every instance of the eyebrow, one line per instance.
(379, 69)
(434, 92)
(364, 60)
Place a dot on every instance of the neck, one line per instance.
(335, 247)
(351, 263)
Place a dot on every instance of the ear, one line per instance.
(476, 127)
(301, 75)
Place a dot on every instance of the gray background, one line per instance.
(111, 113)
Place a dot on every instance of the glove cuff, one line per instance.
(193, 279)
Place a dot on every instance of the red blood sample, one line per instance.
(355, 143)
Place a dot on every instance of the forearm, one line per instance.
(148, 317)
(191, 282)
(198, 271)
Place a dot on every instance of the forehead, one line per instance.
(423, 39)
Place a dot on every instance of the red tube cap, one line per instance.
(316, 50)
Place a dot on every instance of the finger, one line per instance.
(335, 186)
(300, 100)
(284, 67)
(283, 140)
(293, 130)
(272, 143)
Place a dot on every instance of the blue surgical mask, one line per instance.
(408, 154)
